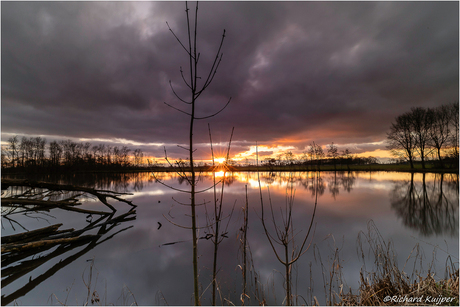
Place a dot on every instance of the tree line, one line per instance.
(316, 155)
(422, 133)
(33, 152)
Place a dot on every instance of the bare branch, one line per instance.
(183, 78)
(214, 66)
(178, 40)
(187, 149)
(168, 186)
(176, 108)
(216, 112)
(178, 97)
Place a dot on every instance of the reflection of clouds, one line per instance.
(155, 192)
(374, 185)
(134, 257)
(170, 266)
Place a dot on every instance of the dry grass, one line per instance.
(387, 291)
(387, 285)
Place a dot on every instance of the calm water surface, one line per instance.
(408, 210)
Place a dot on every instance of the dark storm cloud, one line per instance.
(296, 71)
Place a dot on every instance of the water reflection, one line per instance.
(404, 207)
(17, 264)
(38, 249)
(427, 203)
(431, 207)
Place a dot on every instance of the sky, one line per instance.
(296, 72)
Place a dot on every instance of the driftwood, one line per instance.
(48, 204)
(49, 242)
(13, 273)
(102, 195)
(30, 235)
(6, 248)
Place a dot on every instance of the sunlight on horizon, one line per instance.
(219, 160)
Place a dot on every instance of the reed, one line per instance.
(388, 284)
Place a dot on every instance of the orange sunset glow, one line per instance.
(275, 153)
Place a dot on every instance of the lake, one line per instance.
(138, 260)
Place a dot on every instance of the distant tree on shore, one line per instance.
(439, 133)
(401, 139)
(31, 152)
(332, 152)
(453, 123)
(422, 132)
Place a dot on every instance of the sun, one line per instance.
(219, 160)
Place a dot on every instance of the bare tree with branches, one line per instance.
(400, 138)
(285, 235)
(196, 84)
(218, 233)
(333, 153)
(439, 132)
(421, 122)
(453, 121)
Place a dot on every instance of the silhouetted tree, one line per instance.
(55, 150)
(13, 150)
(453, 121)
(421, 123)
(285, 234)
(316, 153)
(346, 156)
(138, 157)
(289, 157)
(197, 83)
(333, 153)
(439, 132)
(401, 139)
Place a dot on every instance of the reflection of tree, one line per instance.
(317, 186)
(268, 178)
(431, 208)
(347, 181)
(452, 183)
(334, 186)
(138, 183)
(24, 252)
(118, 182)
(12, 273)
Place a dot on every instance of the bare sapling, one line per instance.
(284, 234)
(217, 233)
(244, 244)
(196, 83)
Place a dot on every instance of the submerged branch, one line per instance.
(102, 195)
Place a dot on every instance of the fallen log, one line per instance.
(10, 201)
(49, 204)
(30, 235)
(8, 248)
(102, 195)
(12, 273)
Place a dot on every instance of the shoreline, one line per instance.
(252, 168)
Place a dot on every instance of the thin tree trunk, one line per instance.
(288, 277)
(245, 230)
(192, 198)
(439, 157)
